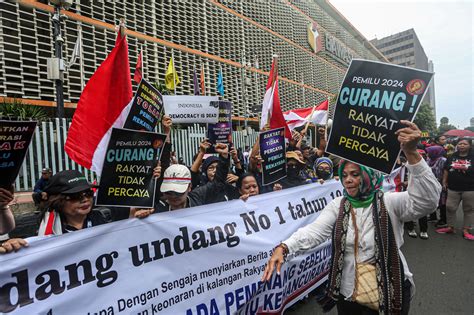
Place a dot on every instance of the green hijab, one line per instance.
(370, 182)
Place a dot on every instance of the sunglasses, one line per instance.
(80, 195)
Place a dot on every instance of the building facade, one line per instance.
(238, 36)
(405, 49)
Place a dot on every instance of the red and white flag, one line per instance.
(298, 117)
(394, 181)
(271, 109)
(102, 106)
(137, 76)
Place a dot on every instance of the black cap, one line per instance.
(67, 182)
(305, 146)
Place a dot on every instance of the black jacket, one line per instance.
(211, 192)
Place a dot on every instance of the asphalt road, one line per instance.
(443, 267)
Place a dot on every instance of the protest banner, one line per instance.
(146, 108)
(272, 151)
(127, 174)
(221, 132)
(373, 98)
(191, 108)
(201, 260)
(15, 137)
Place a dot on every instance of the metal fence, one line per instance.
(47, 149)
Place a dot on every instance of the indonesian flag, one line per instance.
(298, 117)
(394, 181)
(271, 109)
(102, 106)
(137, 76)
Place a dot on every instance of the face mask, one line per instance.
(293, 171)
(323, 174)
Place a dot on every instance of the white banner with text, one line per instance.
(191, 108)
(202, 260)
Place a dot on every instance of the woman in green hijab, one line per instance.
(368, 272)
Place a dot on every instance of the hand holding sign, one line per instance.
(408, 138)
(222, 149)
(204, 145)
(157, 170)
(13, 244)
(167, 123)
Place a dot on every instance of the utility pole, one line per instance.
(58, 54)
(56, 64)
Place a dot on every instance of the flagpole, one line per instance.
(122, 27)
(81, 58)
(308, 119)
(275, 77)
(174, 71)
(257, 81)
(304, 100)
(143, 60)
(326, 126)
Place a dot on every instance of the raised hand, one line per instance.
(204, 145)
(167, 123)
(231, 178)
(409, 138)
(157, 170)
(222, 149)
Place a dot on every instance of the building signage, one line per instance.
(336, 48)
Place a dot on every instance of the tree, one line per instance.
(445, 126)
(161, 87)
(425, 119)
(469, 128)
(16, 109)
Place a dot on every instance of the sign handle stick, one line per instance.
(308, 121)
(174, 71)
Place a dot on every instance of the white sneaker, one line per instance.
(423, 235)
(412, 233)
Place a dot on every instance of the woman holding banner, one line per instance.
(368, 272)
(67, 209)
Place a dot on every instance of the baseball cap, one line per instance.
(67, 182)
(176, 178)
(293, 155)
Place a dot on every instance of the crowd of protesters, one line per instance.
(435, 180)
(65, 200)
(452, 163)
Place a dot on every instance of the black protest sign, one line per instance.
(15, 137)
(373, 98)
(272, 152)
(221, 132)
(145, 111)
(127, 175)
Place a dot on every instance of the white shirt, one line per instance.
(420, 199)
